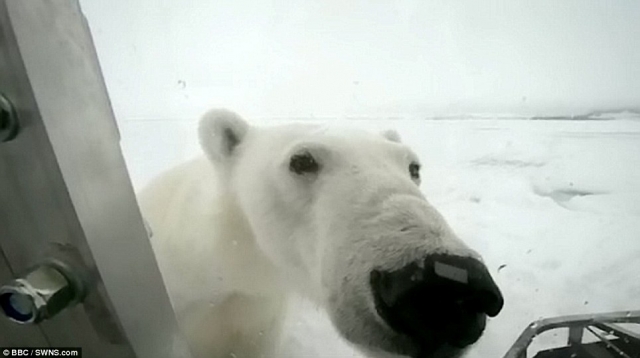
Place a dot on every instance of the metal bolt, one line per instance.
(8, 120)
(39, 295)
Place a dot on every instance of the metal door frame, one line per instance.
(65, 191)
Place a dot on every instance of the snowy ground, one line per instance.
(557, 203)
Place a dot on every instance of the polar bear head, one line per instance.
(340, 213)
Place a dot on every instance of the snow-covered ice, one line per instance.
(555, 204)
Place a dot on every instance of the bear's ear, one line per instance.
(391, 135)
(220, 132)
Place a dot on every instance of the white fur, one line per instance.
(235, 234)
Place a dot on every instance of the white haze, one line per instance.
(172, 59)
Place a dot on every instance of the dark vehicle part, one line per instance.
(613, 340)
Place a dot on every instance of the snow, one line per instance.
(555, 203)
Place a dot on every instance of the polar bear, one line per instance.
(332, 214)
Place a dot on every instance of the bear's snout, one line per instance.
(441, 301)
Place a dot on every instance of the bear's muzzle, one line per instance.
(440, 301)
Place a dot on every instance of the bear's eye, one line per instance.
(414, 170)
(303, 163)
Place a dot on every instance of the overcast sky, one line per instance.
(175, 58)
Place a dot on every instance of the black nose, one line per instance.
(440, 300)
